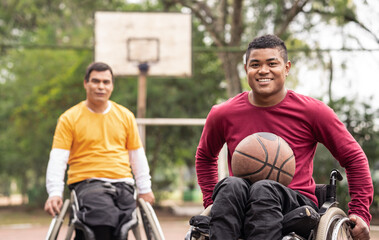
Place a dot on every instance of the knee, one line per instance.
(263, 187)
(231, 185)
(236, 184)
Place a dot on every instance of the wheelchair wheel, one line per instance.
(150, 221)
(57, 221)
(334, 225)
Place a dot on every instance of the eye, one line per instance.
(272, 64)
(254, 65)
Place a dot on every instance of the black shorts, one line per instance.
(104, 204)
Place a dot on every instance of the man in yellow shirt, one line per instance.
(99, 140)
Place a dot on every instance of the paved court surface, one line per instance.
(174, 228)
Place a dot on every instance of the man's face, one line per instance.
(99, 87)
(266, 71)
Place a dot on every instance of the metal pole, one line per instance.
(141, 100)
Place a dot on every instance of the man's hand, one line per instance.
(148, 197)
(361, 230)
(53, 205)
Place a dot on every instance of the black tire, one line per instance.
(150, 221)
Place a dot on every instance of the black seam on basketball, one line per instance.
(275, 160)
(282, 171)
(264, 165)
(247, 155)
(264, 148)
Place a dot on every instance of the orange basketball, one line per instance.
(264, 156)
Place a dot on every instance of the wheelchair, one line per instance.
(303, 223)
(142, 215)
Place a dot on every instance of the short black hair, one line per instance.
(97, 66)
(268, 41)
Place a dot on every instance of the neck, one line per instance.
(97, 108)
(266, 101)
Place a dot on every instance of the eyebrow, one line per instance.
(267, 60)
(97, 79)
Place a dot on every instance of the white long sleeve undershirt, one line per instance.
(57, 165)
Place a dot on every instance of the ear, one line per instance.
(245, 67)
(288, 67)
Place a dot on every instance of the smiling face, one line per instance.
(266, 73)
(99, 89)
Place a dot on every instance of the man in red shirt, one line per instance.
(256, 211)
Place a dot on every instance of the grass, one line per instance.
(23, 215)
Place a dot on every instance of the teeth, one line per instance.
(264, 80)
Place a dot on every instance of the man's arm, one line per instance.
(210, 145)
(140, 168)
(207, 176)
(334, 135)
(56, 169)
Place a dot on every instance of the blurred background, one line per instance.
(46, 45)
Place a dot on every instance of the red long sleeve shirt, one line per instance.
(301, 121)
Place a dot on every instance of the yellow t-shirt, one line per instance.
(98, 143)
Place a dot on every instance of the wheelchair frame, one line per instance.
(144, 214)
(333, 224)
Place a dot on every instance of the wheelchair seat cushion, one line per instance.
(301, 221)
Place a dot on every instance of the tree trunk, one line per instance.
(230, 61)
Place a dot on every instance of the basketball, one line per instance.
(264, 155)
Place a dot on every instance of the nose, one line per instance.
(101, 85)
(264, 69)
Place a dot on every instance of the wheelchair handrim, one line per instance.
(343, 225)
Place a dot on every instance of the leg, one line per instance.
(268, 202)
(79, 235)
(103, 232)
(125, 204)
(104, 206)
(228, 210)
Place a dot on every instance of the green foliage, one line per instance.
(43, 77)
(38, 84)
(171, 147)
(33, 100)
(359, 119)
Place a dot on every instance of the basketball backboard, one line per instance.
(125, 39)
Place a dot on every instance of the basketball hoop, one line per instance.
(162, 40)
(143, 50)
(137, 44)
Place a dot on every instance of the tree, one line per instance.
(41, 76)
(46, 46)
(231, 24)
(36, 97)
